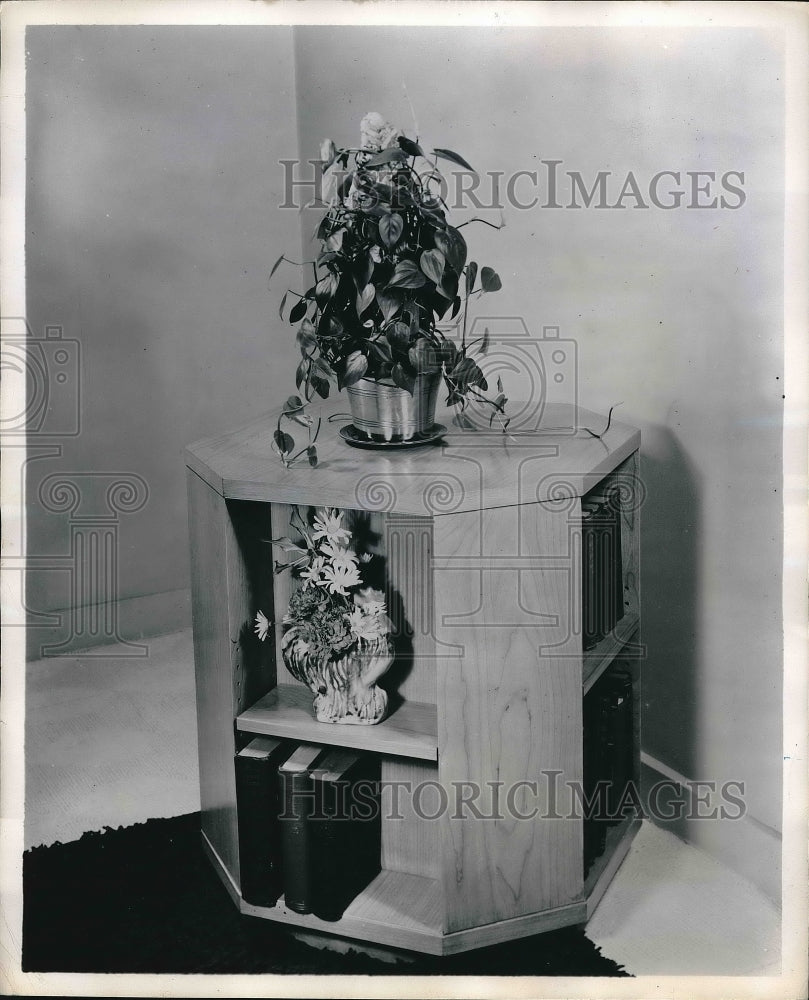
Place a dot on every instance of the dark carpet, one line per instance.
(145, 899)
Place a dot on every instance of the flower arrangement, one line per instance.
(390, 269)
(336, 632)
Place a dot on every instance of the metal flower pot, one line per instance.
(384, 412)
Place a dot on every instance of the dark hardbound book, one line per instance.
(296, 795)
(592, 630)
(257, 807)
(620, 738)
(345, 829)
(595, 724)
(602, 566)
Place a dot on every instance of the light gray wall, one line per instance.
(676, 313)
(153, 186)
(152, 190)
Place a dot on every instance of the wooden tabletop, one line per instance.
(547, 455)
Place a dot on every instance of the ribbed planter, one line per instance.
(385, 413)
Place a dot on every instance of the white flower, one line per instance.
(338, 555)
(263, 625)
(376, 133)
(368, 595)
(313, 574)
(366, 627)
(328, 525)
(340, 576)
(365, 557)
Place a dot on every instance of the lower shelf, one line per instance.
(404, 911)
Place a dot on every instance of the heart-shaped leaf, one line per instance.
(433, 263)
(471, 274)
(306, 337)
(325, 289)
(410, 147)
(490, 280)
(447, 154)
(293, 403)
(407, 275)
(424, 356)
(311, 454)
(335, 241)
(403, 378)
(298, 311)
(399, 336)
(453, 246)
(365, 298)
(356, 367)
(390, 229)
(363, 268)
(386, 156)
(301, 372)
(381, 349)
(284, 443)
(456, 306)
(388, 303)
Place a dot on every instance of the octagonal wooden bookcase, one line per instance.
(479, 540)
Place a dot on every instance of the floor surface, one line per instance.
(111, 741)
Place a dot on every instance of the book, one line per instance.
(345, 829)
(296, 795)
(257, 809)
(602, 566)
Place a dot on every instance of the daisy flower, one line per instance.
(340, 576)
(313, 574)
(328, 525)
(263, 625)
(339, 556)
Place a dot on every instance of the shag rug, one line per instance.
(144, 899)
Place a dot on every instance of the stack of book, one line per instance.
(602, 568)
(608, 757)
(309, 824)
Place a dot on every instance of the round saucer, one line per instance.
(357, 439)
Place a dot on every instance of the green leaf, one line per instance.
(386, 156)
(301, 373)
(410, 147)
(356, 367)
(298, 311)
(447, 154)
(325, 289)
(471, 274)
(433, 263)
(407, 275)
(390, 229)
(293, 403)
(283, 303)
(484, 344)
(322, 369)
(335, 241)
(381, 349)
(399, 336)
(456, 306)
(365, 298)
(306, 336)
(320, 385)
(311, 454)
(403, 378)
(285, 444)
(363, 268)
(453, 246)
(449, 287)
(499, 384)
(276, 265)
(490, 280)
(388, 303)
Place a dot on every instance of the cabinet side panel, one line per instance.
(410, 843)
(509, 711)
(209, 529)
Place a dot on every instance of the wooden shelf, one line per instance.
(397, 909)
(410, 731)
(601, 656)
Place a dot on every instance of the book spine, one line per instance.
(345, 838)
(257, 810)
(296, 792)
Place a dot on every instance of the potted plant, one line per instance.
(336, 631)
(390, 270)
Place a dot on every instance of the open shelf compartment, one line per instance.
(411, 729)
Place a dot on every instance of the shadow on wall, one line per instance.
(671, 540)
